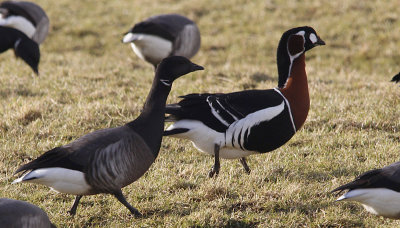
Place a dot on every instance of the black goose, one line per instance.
(107, 160)
(16, 213)
(26, 17)
(25, 48)
(164, 35)
(239, 124)
(377, 190)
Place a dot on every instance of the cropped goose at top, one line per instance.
(164, 35)
(377, 190)
(26, 17)
(236, 125)
(107, 160)
(23, 26)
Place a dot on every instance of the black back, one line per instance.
(166, 26)
(387, 177)
(29, 10)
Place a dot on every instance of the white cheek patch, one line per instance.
(301, 33)
(313, 38)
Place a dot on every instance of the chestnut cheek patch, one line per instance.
(295, 44)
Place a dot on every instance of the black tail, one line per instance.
(396, 78)
(340, 189)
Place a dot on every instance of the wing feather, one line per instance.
(218, 111)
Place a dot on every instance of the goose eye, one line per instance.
(313, 38)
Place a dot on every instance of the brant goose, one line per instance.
(377, 190)
(236, 125)
(396, 78)
(164, 35)
(25, 48)
(16, 213)
(27, 17)
(107, 160)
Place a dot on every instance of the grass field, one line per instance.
(89, 80)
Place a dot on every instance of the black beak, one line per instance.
(319, 42)
(196, 67)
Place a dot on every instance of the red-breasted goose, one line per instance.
(16, 213)
(107, 160)
(239, 124)
(24, 48)
(396, 78)
(164, 35)
(377, 190)
(26, 17)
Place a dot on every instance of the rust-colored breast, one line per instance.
(296, 92)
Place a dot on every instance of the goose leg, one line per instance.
(73, 208)
(122, 199)
(216, 166)
(245, 166)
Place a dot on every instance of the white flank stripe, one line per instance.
(216, 114)
(59, 179)
(249, 121)
(290, 111)
(233, 116)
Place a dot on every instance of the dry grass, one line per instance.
(89, 81)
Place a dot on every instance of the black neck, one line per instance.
(150, 123)
(283, 61)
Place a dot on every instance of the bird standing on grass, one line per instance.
(164, 35)
(107, 160)
(236, 125)
(16, 213)
(377, 190)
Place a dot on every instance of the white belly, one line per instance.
(59, 179)
(378, 201)
(204, 139)
(19, 23)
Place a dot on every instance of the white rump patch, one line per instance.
(59, 179)
(19, 23)
(313, 38)
(128, 38)
(200, 134)
(149, 47)
(378, 201)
